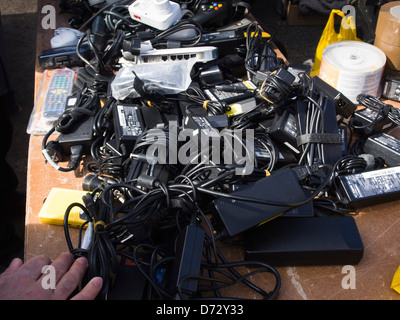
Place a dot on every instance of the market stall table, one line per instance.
(378, 225)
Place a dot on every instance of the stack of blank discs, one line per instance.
(353, 67)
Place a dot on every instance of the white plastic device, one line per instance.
(159, 14)
(64, 37)
(200, 54)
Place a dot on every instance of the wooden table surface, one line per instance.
(379, 227)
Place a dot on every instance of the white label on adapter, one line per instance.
(129, 120)
(373, 183)
(71, 102)
(121, 116)
(291, 126)
(389, 141)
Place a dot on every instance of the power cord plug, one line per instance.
(303, 172)
(76, 156)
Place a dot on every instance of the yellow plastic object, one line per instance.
(56, 204)
(329, 36)
(396, 281)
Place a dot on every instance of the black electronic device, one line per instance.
(276, 86)
(225, 41)
(343, 105)
(80, 135)
(213, 13)
(391, 87)
(298, 70)
(370, 187)
(281, 186)
(284, 129)
(152, 118)
(305, 210)
(210, 76)
(305, 241)
(128, 124)
(63, 57)
(76, 132)
(269, 59)
(343, 134)
(368, 121)
(231, 93)
(202, 131)
(187, 260)
(384, 146)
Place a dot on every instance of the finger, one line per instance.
(33, 267)
(71, 279)
(15, 264)
(62, 264)
(91, 290)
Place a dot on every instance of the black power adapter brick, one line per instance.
(63, 57)
(80, 134)
(201, 127)
(225, 41)
(367, 121)
(128, 124)
(384, 146)
(189, 248)
(343, 105)
(284, 129)
(305, 241)
(232, 92)
(370, 187)
(281, 186)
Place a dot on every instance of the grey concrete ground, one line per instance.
(19, 18)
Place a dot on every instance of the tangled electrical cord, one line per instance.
(197, 95)
(381, 108)
(138, 222)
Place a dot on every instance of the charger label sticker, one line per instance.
(389, 142)
(129, 120)
(374, 183)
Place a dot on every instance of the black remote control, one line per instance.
(215, 14)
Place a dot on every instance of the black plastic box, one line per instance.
(305, 241)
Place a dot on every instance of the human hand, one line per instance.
(23, 281)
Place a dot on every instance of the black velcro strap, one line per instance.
(331, 138)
